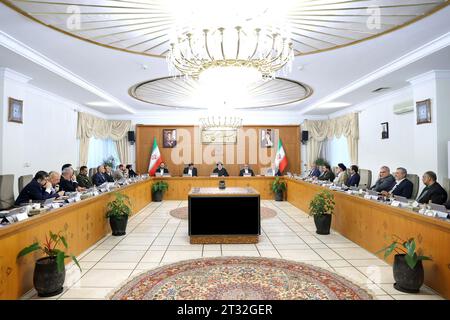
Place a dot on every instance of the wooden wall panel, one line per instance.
(232, 157)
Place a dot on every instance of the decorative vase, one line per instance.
(406, 279)
(323, 223)
(47, 279)
(118, 225)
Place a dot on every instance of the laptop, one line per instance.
(438, 207)
(401, 199)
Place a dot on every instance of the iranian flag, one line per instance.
(155, 159)
(280, 158)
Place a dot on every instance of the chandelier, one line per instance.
(245, 41)
(221, 122)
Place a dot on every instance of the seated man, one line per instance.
(162, 169)
(246, 171)
(220, 170)
(67, 165)
(314, 171)
(342, 176)
(83, 179)
(120, 173)
(131, 172)
(433, 192)
(108, 174)
(68, 181)
(37, 190)
(327, 174)
(403, 187)
(386, 180)
(355, 178)
(190, 170)
(54, 178)
(99, 177)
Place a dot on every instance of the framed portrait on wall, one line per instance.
(169, 138)
(15, 110)
(423, 109)
(385, 130)
(267, 137)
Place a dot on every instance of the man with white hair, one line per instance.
(386, 180)
(68, 182)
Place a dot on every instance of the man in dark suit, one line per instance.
(220, 170)
(386, 180)
(68, 182)
(433, 191)
(246, 171)
(99, 177)
(131, 172)
(327, 174)
(353, 180)
(403, 187)
(108, 174)
(162, 169)
(314, 172)
(37, 190)
(190, 170)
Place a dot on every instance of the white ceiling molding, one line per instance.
(411, 57)
(14, 75)
(27, 52)
(430, 75)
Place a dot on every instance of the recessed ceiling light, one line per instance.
(100, 104)
(331, 105)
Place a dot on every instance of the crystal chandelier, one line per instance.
(251, 37)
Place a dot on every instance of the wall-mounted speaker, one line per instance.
(131, 138)
(305, 136)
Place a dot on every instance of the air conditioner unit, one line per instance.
(404, 107)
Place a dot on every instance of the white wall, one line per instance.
(47, 137)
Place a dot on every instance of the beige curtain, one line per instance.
(90, 126)
(319, 130)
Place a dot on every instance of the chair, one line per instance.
(6, 191)
(414, 178)
(446, 186)
(92, 171)
(366, 178)
(24, 180)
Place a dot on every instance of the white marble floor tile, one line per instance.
(103, 278)
(86, 293)
(123, 256)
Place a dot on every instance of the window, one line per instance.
(99, 150)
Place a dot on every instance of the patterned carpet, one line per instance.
(239, 278)
(182, 213)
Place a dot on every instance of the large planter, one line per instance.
(118, 225)
(279, 196)
(323, 223)
(47, 280)
(406, 279)
(157, 196)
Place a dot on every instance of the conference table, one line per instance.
(368, 223)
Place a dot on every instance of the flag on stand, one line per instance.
(155, 159)
(280, 158)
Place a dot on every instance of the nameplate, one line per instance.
(395, 203)
(55, 205)
(21, 216)
(95, 193)
(415, 204)
(77, 198)
(349, 192)
(440, 214)
(368, 197)
(70, 200)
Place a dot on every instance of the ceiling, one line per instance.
(108, 74)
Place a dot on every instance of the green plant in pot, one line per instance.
(322, 207)
(158, 189)
(118, 211)
(49, 271)
(408, 268)
(278, 187)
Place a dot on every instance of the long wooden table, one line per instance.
(371, 224)
(84, 223)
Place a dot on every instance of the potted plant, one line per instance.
(158, 188)
(321, 207)
(320, 162)
(278, 187)
(49, 271)
(408, 267)
(118, 212)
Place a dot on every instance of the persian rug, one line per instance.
(182, 213)
(239, 278)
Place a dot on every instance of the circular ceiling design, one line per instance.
(143, 26)
(181, 93)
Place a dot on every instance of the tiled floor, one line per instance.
(155, 238)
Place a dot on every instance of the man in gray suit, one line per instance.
(386, 180)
